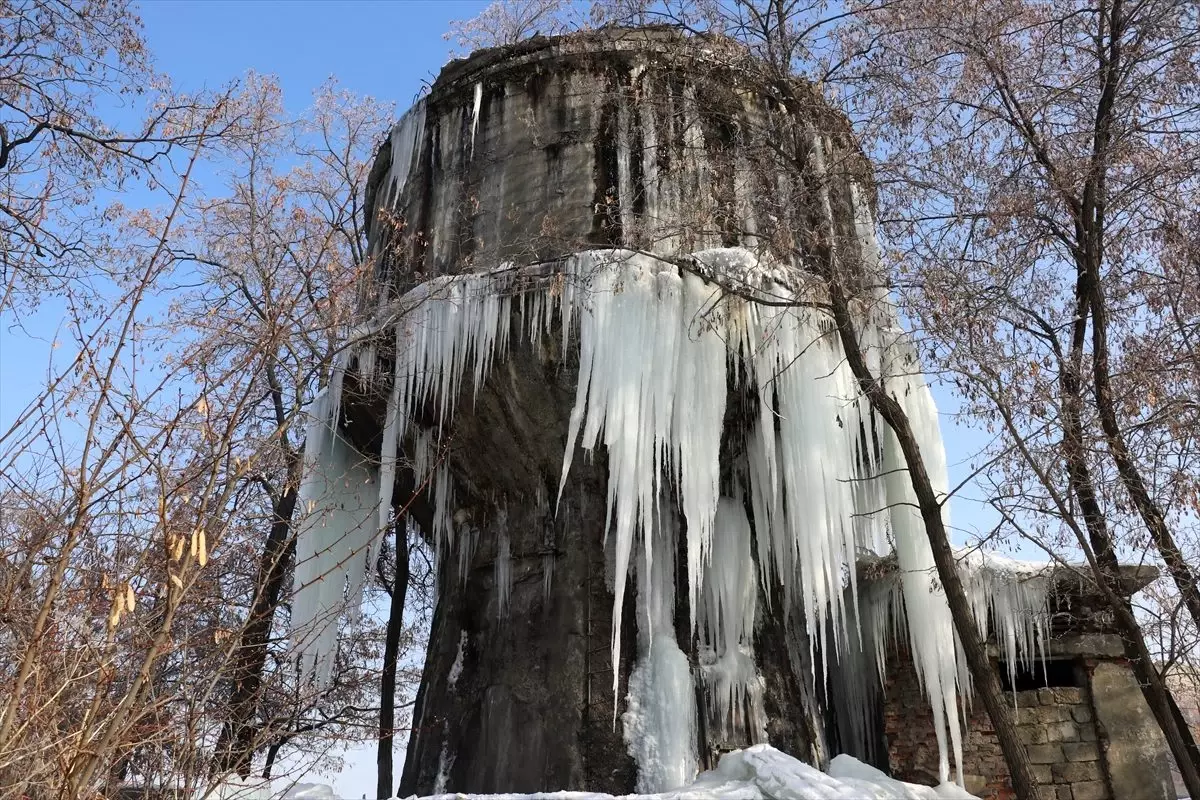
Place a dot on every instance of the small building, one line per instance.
(1080, 711)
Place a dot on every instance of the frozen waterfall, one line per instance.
(819, 480)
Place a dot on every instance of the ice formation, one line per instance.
(339, 497)
(660, 719)
(823, 479)
(730, 589)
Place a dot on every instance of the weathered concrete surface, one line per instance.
(1134, 750)
(625, 137)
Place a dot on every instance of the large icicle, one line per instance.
(333, 543)
(626, 398)
(660, 717)
(931, 633)
(730, 600)
(406, 143)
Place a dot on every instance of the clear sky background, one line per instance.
(384, 50)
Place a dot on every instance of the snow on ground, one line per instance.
(258, 789)
(763, 773)
(757, 773)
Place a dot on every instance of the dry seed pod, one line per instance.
(130, 597)
(202, 550)
(195, 541)
(114, 618)
(177, 553)
(175, 580)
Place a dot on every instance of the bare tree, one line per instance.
(1032, 159)
(64, 63)
(161, 463)
(506, 22)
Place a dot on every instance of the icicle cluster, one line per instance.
(1008, 597)
(338, 498)
(822, 477)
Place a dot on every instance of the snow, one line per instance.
(824, 478)
(763, 773)
(234, 788)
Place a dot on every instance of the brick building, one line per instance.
(1080, 712)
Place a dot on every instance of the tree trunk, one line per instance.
(236, 744)
(1127, 468)
(984, 676)
(391, 651)
(1106, 568)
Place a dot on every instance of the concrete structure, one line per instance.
(642, 139)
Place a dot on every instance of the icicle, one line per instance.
(503, 567)
(477, 106)
(406, 143)
(1015, 595)
(365, 359)
(468, 542)
(931, 633)
(457, 667)
(730, 598)
(626, 398)
(625, 188)
(659, 721)
(443, 500)
(338, 497)
(392, 428)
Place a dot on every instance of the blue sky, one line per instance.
(380, 49)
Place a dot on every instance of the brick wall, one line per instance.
(1056, 725)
